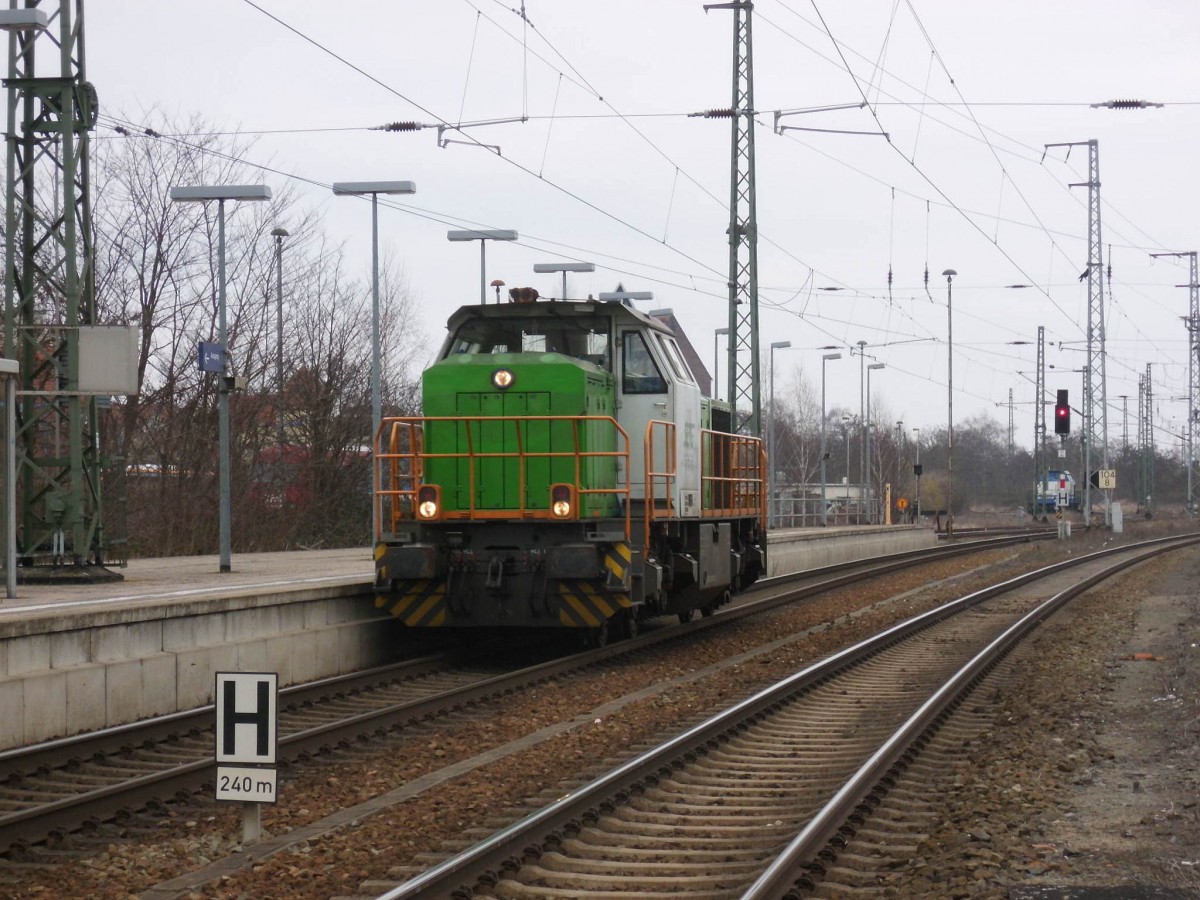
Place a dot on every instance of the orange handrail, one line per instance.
(403, 463)
(737, 484)
(652, 477)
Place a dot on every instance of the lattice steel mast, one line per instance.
(50, 290)
(1095, 401)
(1146, 439)
(1192, 321)
(743, 368)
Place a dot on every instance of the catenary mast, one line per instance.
(1095, 405)
(49, 287)
(1192, 321)
(743, 367)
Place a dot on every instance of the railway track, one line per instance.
(756, 801)
(58, 787)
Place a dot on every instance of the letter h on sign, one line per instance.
(247, 712)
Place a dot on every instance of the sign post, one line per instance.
(247, 734)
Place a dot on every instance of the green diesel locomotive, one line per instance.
(567, 473)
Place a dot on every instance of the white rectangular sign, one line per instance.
(247, 784)
(1108, 479)
(108, 356)
(247, 713)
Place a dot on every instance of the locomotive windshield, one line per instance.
(577, 336)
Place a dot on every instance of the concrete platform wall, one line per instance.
(84, 672)
(66, 673)
(795, 551)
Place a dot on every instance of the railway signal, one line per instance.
(1062, 414)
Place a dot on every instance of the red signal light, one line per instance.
(1062, 414)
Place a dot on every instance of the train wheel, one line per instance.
(707, 611)
(632, 626)
(685, 616)
(598, 636)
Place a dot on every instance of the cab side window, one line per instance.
(640, 373)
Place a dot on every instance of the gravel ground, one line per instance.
(1041, 825)
(1090, 776)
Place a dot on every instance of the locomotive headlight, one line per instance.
(560, 500)
(428, 501)
(502, 378)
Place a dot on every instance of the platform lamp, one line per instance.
(279, 233)
(773, 502)
(824, 506)
(564, 267)
(9, 370)
(483, 235)
(222, 193)
(867, 484)
(846, 430)
(23, 20)
(917, 473)
(374, 189)
(497, 283)
(949, 275)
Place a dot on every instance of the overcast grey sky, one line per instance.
(609, 168)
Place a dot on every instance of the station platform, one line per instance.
(187, 579)
(79, 657)
(796, 549)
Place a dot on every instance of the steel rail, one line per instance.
(863, 790)
(453, 877)
(118, 738)
(63, 751)
(104, 803)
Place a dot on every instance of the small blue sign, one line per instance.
(212, 357)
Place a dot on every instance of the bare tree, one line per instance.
(157, 268)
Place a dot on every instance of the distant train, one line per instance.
(1056, 492)
(567, 473)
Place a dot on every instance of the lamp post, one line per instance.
(867, 482)
(374, 189)
(917, 473)
(222, 193)
(949, 273)
(483, 235)
(716, 388)
(279, 233)
(777, 345)
(846, 430)
(9, 370)
(862, 421)
(824, 507)
(564, 267)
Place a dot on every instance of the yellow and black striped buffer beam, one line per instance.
(583, 604)
(420, 603)
(617, 561)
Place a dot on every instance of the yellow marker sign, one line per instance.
(902, 504)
